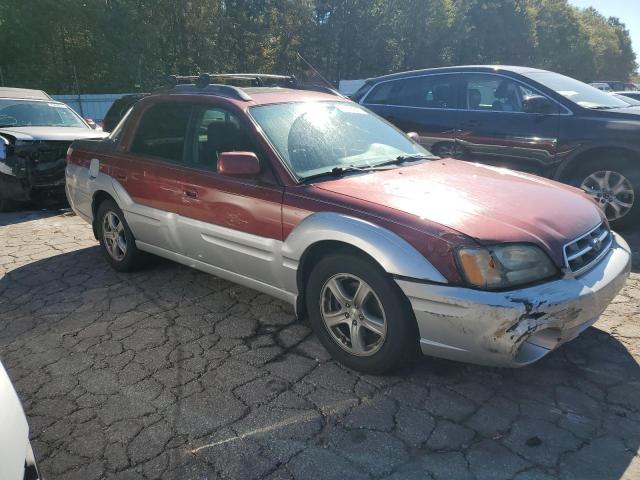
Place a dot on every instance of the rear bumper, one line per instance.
(517, 327)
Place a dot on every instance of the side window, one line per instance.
(494, 93)
(432, 91)
(216, 131)
(161, 132)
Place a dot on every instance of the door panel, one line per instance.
(156, 192)
(233, 224)
(151, 173)
(427, 105)
(497, 131)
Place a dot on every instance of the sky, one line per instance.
(628, 11)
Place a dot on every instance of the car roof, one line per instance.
(458, 69)
(251, 96)
(23, 93)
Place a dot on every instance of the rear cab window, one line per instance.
(162, 132)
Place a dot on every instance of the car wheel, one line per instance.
(116, 240)
(360, 315)
(615, 186)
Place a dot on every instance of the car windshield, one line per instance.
(26, 113)
(318, 137)
(584, 95)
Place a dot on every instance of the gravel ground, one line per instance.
(172, 373)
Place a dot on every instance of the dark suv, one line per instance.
(522, 118)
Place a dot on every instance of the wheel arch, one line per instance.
(569, 166)
(321, 232)
(99, 196)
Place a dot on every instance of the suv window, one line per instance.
(216, 131)
(494, 93)
(161, 132)
(433, 91)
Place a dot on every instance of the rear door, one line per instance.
(426, 104)
(497, 131)
(232, 223)
(150, 171)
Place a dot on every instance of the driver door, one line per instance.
(233, 223)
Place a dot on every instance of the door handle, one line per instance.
(121, 176)
(191, 194)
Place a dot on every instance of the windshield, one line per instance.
(317, 137)
(26, 113)
(584, 95)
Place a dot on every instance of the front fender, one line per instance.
(393, 253)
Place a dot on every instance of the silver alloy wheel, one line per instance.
(115, 240)
(613, 192)
(353, 314)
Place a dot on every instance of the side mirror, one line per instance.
(414, 136)
(238, 164)
(538, 104)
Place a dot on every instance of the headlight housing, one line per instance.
(504, 266)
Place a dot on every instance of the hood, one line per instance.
(52, 133)
(491, 205)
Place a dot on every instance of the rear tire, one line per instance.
(615, 185)
(117, 243)
(368, 325)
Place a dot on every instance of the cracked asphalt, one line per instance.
(172, 373)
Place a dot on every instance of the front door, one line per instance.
(233, 223)
(497, 131)
(427, 105)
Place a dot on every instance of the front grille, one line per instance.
(586, 250)
(52, 150)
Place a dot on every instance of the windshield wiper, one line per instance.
(337, 172)
(406, 158)
(603, 107)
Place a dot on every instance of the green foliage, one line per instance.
(128, 45)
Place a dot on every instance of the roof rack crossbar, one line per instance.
(257, 79)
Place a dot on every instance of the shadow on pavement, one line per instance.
(172, 373)
(15, 217)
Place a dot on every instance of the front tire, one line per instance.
(117, 243)
(360, 315)
(615, 186)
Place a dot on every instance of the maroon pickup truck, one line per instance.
(387, 250)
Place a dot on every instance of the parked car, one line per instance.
(605, 87)
(118, 110)
(615, 85)
(17, 460)
(311, 198)
(629, 94)
(630, 100)
(35, 132)
(523, 118)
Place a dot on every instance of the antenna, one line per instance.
(316, 71)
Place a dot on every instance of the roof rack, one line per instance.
(207, 80)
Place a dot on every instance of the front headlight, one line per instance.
(504, 266)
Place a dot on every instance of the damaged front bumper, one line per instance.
(32, 170)
(517, 327)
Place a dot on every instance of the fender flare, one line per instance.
(567, 163)
(393, 253)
